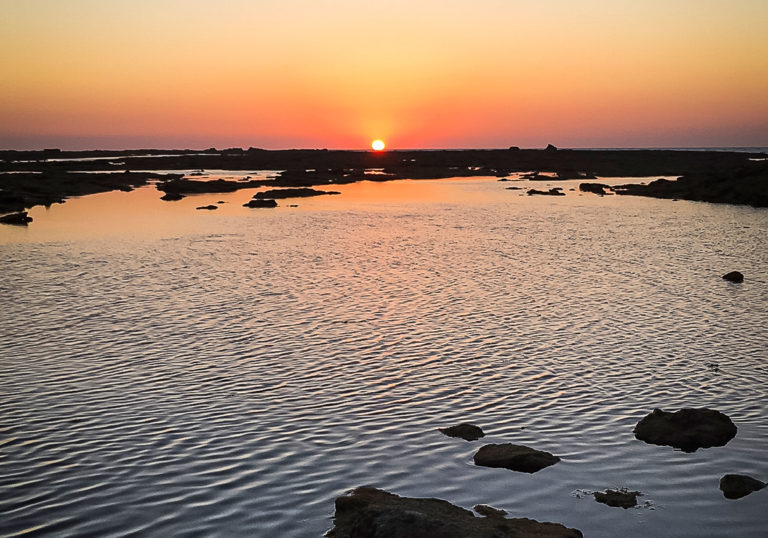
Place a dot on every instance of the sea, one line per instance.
(168, 371)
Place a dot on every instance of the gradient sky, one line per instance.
(81, 74)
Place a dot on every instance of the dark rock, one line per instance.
(172, 196)
(686, 429)
(260, 203)
(504, 179)
(221, 202)
(597, 188)
(736, 486)
(468, 432)
(734, 276)
(514, 148)
(18, 219)
(550, 147)
(489, 511)
(620, 498)
(208, 207)
(514, 188)
(514, 457)
(292, 193)
(368, 512)
(551, 192)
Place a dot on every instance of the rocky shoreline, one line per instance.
(30, 178)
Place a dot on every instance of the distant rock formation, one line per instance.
(686, 429)
(292, 193)
(258, 202)
(514, 457)
(550, 147)
(172, 197)
(19, 219)
(596, 188)
(208, 207)
(368, 512)
(468, 432)
(557, 191)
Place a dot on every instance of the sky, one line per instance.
(87, 74)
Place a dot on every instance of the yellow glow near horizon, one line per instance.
(378, 145)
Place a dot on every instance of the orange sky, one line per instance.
(339, 73)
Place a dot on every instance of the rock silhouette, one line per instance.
(686, 429)
(734, 276)
(736, 486)
(468, 432)
(514, 457)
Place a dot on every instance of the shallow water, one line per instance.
(166, 371)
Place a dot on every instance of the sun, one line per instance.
(378, 145)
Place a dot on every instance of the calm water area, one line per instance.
(172, 372)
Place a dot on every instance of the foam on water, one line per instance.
(234, 372)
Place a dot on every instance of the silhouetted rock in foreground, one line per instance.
(292, 193)
(256, 202)
(19, 219)
(514, 457)
(172, 197)
(597, 188)
(620, 498)
(468, 432)
(551, 192)
(686, 429)
(734, 276)
(736, 486)
(368, 512)
(208, 207)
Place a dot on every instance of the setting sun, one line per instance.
(378, 145)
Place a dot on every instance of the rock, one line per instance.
(172, 196)
(551, 192)
(292, 193)
(686, 429)
(597, 188)
(489, 511)
(514, 457)
(18, 219)
(367, 512)
(208, 207)
(734, 276)
(736, 486)
(514, 148)
(468, 432)
(503, 179)
(514, 188)
(221, 202)
(550, 147)
(621, 498)
(260, 203)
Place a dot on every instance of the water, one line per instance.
(166, 371)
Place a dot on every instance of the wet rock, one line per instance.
(18, 219)
(172, 196)
(514, 188)
(550, 147)
(597, 188)
(489, 511)
(368, 512)
(734, 276)
(292, 193)
(208, 207)
(620, 498)
(468, 432)
(256, 202)
(686, 429)
(551, 192)
(514, 457)
(736, 486)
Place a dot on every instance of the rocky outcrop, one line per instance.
(292, 193)
(468, 432)
(686, 429)
(734, 276)
(620, 498)
(19, 219)
(596, 188)
(736, 486)
(208, 207)
(514, 457)
(258, 202)
(367, 512)
(172, 197)
(557, 191)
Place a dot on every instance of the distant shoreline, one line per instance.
(48, 176)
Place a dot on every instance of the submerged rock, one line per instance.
(734, 276)
(19, 219)
(172, 197)
(468, 432)
(514, 457)
(736, 486)
(686, 429)
(620, 498)
(367, 512)
(260, 202)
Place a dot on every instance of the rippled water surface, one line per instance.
(166, 371)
